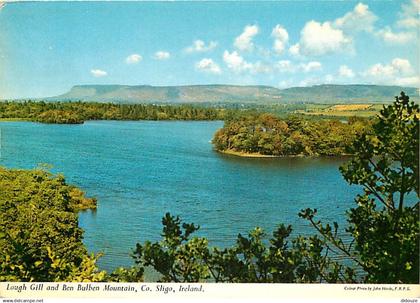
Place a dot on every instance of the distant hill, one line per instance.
(331, 93)
(234, 94)
(172, 94)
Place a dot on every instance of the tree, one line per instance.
(385, 224)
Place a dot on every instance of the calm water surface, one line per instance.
(141, 170)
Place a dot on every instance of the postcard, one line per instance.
(200, 150)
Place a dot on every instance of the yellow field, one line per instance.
(365, 113)
(348, 107)
(343, 110)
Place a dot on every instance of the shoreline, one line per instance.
(248, 155)
(14, 119)
(258, 155)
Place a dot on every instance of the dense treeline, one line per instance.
(78, 112)
(267, 134)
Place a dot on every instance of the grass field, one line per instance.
(342, 110)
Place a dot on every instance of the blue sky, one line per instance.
(47, 47)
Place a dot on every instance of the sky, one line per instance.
(47, 47)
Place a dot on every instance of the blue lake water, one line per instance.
(141, 170)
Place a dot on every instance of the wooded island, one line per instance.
(268, 135)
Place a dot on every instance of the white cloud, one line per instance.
(133, 59)
(317, 39)
(310, 66)
(408, 24)
(396, 38)
(236, 62)
(397, 66)
(322, 38)
(379, 70)
(281, 38)
(161, 55)
(409, 16)
(345, 71)
(244, 41)
(398, 72)
(402, 65)
(98, 73)
(359, 19)
(199, 46)
(286, 66)
(294, 50)
(208, 65)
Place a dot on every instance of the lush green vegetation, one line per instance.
(78, 112)
(341, 110)
(39, 235)
(41, 241)
(266, 134)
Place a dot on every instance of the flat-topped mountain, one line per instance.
(234, 94)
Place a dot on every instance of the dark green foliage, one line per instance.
(59, 117)
(180, 258)
(39, 235)
(121, 274)
(177, 258)
(268, 135)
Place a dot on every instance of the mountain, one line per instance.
(234, 94)
(172, 94)
(332, 93)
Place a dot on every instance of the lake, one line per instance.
(139, 170)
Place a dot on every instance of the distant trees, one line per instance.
(268, 135)
(78, 112)
(59, 117)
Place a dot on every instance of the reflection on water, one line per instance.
(141, 170)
